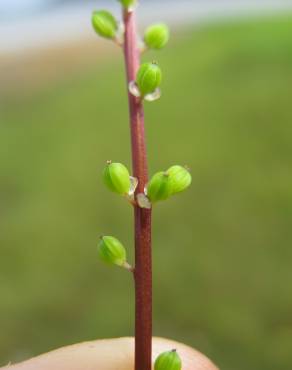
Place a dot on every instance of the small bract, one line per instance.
(179, 178)
(104, 24)
(148, 78)
(112, 251)
(158, 187)
(156, 36)
(168, 361)
(117, 178)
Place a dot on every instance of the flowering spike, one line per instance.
(168, 361)
(117, 178)
(179, 178)
(156, 36)
(112, 251)
(148, 78)
(104, 24)
(158, 187)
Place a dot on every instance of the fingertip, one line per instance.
(110, 354)
(105, 354)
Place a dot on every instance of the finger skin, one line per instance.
(110, 354)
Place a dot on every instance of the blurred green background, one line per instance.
(222, 251)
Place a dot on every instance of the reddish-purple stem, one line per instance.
(143, 260)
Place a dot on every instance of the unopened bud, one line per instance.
(179, 178)
(156, 36)
(158, 188)
(104, 24)
(112, 251)
(127, 3)
(168, 361)
(117, 178)
(148, 78)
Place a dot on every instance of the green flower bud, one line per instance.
(104, 24)
(179, 178)
(158, 188)
(156, 36)
(148, 78)
(127, 3)
(117, 178)
(168, 361)
(112, 251)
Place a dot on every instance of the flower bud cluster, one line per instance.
(156, 36)
(164, 184)
(161, 186)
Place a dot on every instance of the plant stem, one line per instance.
(143, 260)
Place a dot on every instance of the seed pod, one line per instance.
(156, 36)
(158, 188)
(127, 3)
(104, 24)
(148, 78)
(112, 251)
(168, 361)
(179, 178)
(117, 178)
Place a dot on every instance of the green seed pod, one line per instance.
(158, 188)
(127, 3)
(104, 24)
(156, 36)
(148, 78)
(179, 178)
(168, 361)
(112, 251)
(117, 178)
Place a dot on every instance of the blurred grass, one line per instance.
(222, 251)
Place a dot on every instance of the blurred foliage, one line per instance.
(222, 251)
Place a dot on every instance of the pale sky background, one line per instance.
(26, 24)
